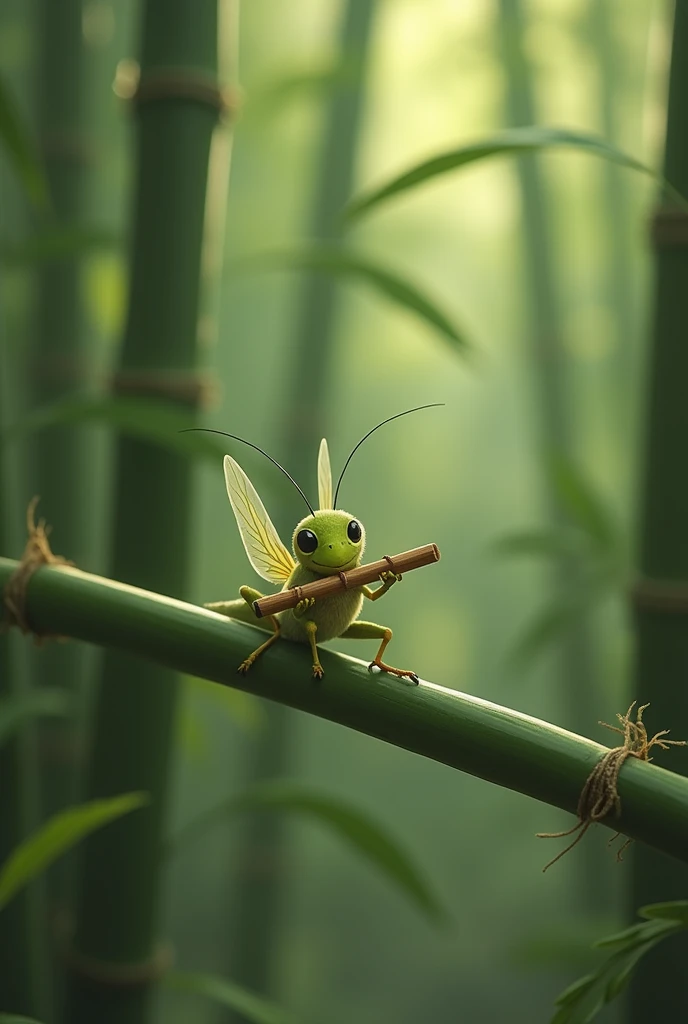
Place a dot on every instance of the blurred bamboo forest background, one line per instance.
(540, 270)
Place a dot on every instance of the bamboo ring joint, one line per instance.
(660, 596)
(36, 554)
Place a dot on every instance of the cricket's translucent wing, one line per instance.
(266, 552)
(324, 477)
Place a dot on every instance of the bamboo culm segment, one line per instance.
(491, 742)
(328, 585)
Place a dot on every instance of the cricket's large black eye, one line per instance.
(306, 541)
(353, 531)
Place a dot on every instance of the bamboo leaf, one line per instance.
(548, 625)
(549, 542)
(10, 1018)
(252, 1007)
(137, 417)
(677, 910)
(581, 1002)
(510, 142)
(340, 262)
(54, 838)
(19, 148)
(585, 506)
(355, 827)
(16, 709)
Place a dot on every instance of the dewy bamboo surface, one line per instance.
(491, 742)
(329, 585)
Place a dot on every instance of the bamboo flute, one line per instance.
(328, 585)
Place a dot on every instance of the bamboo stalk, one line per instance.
(22, 959)
(416, 558)
(255, 927)
(498, 744)
(661, 667)
(59, 365)
(577, 676)
(177, 107)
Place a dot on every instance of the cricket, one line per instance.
(323, 584)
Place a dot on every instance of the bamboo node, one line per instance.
(176, 83)
(660, 596)
(600, 796)
(188, 387)
(36, 554)
(670, 228)
(110, 974)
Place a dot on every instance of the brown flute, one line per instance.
(328, 585)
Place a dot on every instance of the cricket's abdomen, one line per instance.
(332, 615)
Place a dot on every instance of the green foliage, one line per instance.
(253, 1008)
(343, 263)
(589, 545)
(510, 142)
(581, 1002)
(15, 710)
(57, 836)
(350, 824)
(10, 1018)
(19, 148)
(143, 418)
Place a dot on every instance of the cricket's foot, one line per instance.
(402, 673)
(318, 671)
(245, 666)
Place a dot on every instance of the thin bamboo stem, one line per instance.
(662, 634)
(491, 742)
(576, 656)
(329, 585)
(259, 897)
(177, 107)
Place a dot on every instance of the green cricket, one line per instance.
(326, 542)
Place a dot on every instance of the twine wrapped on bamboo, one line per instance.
(328, 585)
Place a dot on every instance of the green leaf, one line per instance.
(581, 1002)
(56, 242)
(510, 142)
(547, 626)
(16, 709)
(61, 832)
(143, 418)
(310, 83)
(19, 147)
(227, 993)
(550, 542)
(350, 824)
(10, 1018)
(340, 262)
(676, 910)
(586, 508)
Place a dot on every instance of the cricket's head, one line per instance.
(329, 542)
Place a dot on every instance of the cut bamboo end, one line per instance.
(329, 585)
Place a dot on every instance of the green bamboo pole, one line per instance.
(22, 921)
(259, 896)
(621, 377)
(58, 365)
(176, 107)
(576, 668)
(662, 630)
(491, 742)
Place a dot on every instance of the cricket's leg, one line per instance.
(312, 630)
(371, 631)
(242, 611)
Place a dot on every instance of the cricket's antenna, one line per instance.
(433, 405)
(209, 430)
